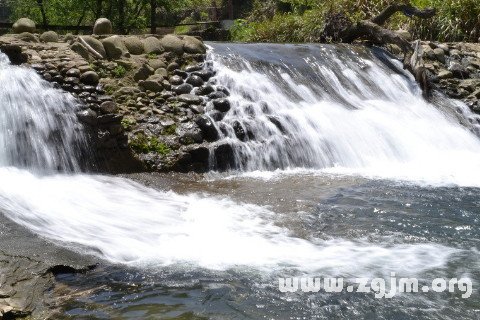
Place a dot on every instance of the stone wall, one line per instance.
(142, 97)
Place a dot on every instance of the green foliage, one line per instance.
(143, 144)
(128, 123)
(152, 56)
(169, 130)
(119, 71)
(455, 20)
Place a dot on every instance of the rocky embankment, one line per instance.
(454, 69)
(142, 97)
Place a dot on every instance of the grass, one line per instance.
(119, 72)
(143, 144)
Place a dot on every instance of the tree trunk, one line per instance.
(153, 16)
(43, 13)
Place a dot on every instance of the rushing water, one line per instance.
(344, 170)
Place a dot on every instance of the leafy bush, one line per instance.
(455, 20)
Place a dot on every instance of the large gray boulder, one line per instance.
(152, 45)
(49, 36)
(134, 45)
(24, 25)
(102, 26)
(173, 44)
(193, 45)
(114, 47)
(143, 72)
(81, 50)
(96, 45)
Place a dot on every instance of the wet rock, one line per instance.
(90, 78)
(198, 109)
(205, 90)
(87, 116)
(74, 72)
(204, 74)
(457, 69)
(49, 36)
(445, 74)
(239, 131)
(102, 26)
(224, 90)
(108, 107)
(183, 88)
(195, 81)
(134, 45)
(224, 157)
(222, 105)
(194, 68)
(217, 95)
(176, 80)
(152, 45)
(190, 99)
(24, 25)
(207, 126)
(180, 73)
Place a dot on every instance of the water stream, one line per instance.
(343, 170)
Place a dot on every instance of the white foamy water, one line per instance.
(124, 222)
(340, 110)
(383, 123)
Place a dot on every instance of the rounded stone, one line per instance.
(102, 26)
(222, 105)
(152, 45)
(90, 78)
(134, 45)
(49, 36)
(195, 81)
(108, 107)
(24, 25)
(183, 88)
(173, 44)
(193, 45)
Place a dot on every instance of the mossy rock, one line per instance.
(49, 36)
(24, 25)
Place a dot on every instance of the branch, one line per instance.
(89, 48)
(407, 9)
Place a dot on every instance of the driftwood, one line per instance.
(339, 28)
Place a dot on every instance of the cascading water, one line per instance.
(316, 107)
(38, 126)
(341, 108)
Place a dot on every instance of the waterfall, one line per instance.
(38, 125)
(339, 108)
(298, 106)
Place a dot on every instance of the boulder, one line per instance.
(162, 72)
(190, 99)
(49, 36)
(193, 45)
(175, 80)
(183, 88)
(81, 50)
(114, 47)
(24, 25)
(90, 78)
(439, 54)
(108, 107)
(27, 37)
(95, 44)
(157, 63)
(102, 26)
(152, 45)
(195, 81)
(222, 105)
(173, 44)
(143, 72)
(134, 45)
(208, 128)
(151, 84)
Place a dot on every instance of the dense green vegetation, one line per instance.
(303, 20)
(126, 15)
